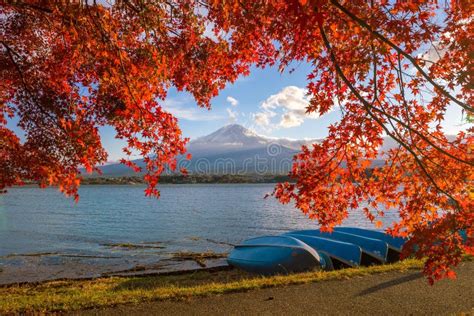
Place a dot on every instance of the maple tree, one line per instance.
(392, 68)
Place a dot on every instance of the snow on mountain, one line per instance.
(235, 137)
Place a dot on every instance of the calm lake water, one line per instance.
(44, 235)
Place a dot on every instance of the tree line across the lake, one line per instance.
(197, 178)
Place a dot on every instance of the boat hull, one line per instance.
(394, 242)
(275, 255)
(375, 248)
(341, 252)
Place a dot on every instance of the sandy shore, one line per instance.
(392, 293)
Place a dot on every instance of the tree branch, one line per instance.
(368, 107)
(403, 53)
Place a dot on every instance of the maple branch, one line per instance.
(388, 115)
(407, 113)
(108, 39)
(374, 78)
(402, 52)
(368, 108)
(407, 126)
(25, 85)
(392, 163)
(400, 74)
(327, 174)
(31, 6)
(402, 92)
(132, 6)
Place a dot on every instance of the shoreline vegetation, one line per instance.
(70, 295)
(189, 179)
(192, 178)
(182, 179)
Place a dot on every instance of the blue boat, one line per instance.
(376, 249)
(395, 244)
(342, 254)
(276, 255)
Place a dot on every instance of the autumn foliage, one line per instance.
(391, 68)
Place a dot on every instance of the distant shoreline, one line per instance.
(189, 179)
(181, 179)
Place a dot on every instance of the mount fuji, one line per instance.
(232, 149)
(235, 137)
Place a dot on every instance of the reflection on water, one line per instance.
(45, 235)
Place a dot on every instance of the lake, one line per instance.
(116, 229)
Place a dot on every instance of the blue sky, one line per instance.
(247, 102)
(260, 102)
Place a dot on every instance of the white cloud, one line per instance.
(263, 118)
(289, 105)
(290, 120)
(291, 98)
(232, 101)
(436, 50)
(232, 114)
(433, 54)
(185, 108)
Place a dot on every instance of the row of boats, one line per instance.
(305, 250)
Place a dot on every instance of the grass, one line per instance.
(105, 292)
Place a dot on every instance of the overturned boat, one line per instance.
(276, 255)
(376, 249)
(395, 244)
(342, 254)
(304, 250)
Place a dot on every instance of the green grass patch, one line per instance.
(103, 292)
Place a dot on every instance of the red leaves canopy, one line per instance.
(68, 69)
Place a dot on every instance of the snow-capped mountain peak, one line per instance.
(230, 134)
(237, 137)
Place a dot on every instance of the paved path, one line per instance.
(393, 293)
